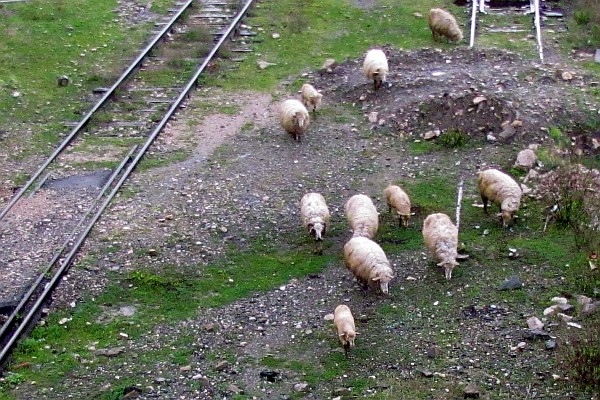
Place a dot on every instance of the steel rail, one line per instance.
(40, 279)
(87, 117)
(192, 83)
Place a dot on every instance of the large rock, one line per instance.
(526, 159)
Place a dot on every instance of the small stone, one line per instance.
(270, 376)
(209, 327)
(550, 344)
(551, 310)
(559, 300)
(185, 368)
(564, 317)
(417, 15)
(63, 80)
(341, 392)
(276, 36)
(517, 123)
(301, 387)
(566, 76)
(434, 351)
(264, 64)
(574, 325)
(479, 99)
(234, 389)
(512, 283)
(329, 63)
(112, 352)
(526, 159)
(373, 116)
(152, 252)
(431, 134)
(222, 365)
(471, 391)
(127, 311)
(589, 309)
(328, 317)
(534, 323)
(426, 373)
(536, 334)
(583, 300)
(223, 229)
(160, 380)
(491, 138)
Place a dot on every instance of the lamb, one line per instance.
(315, 217)
(294, 118)
(311, 97)
(441, 239)
(399, 201)
(375, 67)
(443, 24)
(362, 216)
(368, 263)
(502, 189)
(344, 323)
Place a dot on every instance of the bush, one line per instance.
(580, 356)
(454, 138)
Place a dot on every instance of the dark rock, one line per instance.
(434, 351)
(270, 376)
(471, 391)
(112, 352)
(589, 309)
(426, 373)
(63, 80)
(550, 344)
(513, 282)
(536, 334)
(131, 391)
(222, 366)
(341, 391)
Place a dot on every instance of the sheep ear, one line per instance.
(357, 333)
(343, 335)
(377, 278)
(462, 256)
(440, 264)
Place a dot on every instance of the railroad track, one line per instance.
(539, 10)
(69, 192)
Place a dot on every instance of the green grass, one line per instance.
(316, 30)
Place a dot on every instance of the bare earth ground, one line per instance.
(242, 186)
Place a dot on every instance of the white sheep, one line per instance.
(441, 239)
(375, 67)
(501, 189)
(368, 263)
(344, 323)
(294, 118)
(315, 217)
(398, 200)
(443, 24)
(362, 216)
(311, 96)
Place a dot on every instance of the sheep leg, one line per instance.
(346, 349)
(485, 203)
(319, 247)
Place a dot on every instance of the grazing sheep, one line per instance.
(362, 216)
(399, 201)
(315, 217)
(294, 118)
(344, 322)
(441, 239)
(375, 67)
(310, 96)
(501, 189)
(367, 261)
(443, 24)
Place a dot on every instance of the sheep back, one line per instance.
(362, 216)
(501, 189)
(294, 118)
(443, 24)
(375, 67)
(441, 239)
(368, 263)
(310, 96)
(344, 322)
(398, 200)
(314, 214)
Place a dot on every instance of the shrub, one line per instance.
(454, 138)
(580, 356)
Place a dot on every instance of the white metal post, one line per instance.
(473, 22)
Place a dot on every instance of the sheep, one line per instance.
(368, 263)
(310, 96)
(375, 67)
(294, 118)
(441, 239)
(344, 323)
(502, 189)
(315, 217)
(399, 201)
(442, 23)
(362, 216)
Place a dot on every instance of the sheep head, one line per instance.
(347, 339)
(509, 207)
(384, 278)
(448, 267)
(299, 120)
(317, 229)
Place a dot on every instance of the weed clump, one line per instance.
(454, 138)
(581, 355)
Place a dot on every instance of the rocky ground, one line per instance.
(242, 185)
